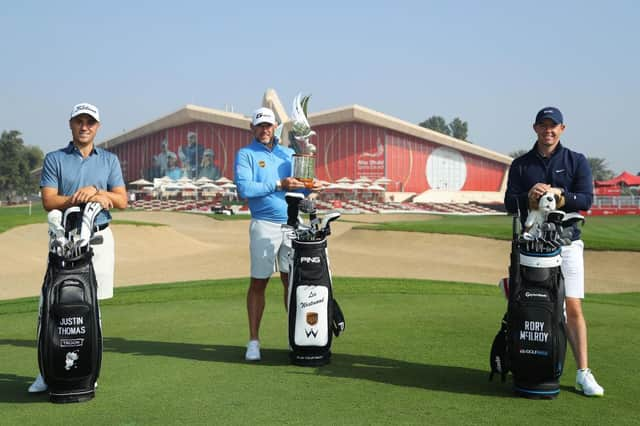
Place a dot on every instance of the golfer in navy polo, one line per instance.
(550, 167)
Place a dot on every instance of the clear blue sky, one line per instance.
(491, 63)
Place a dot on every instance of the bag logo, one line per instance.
(312, 318)
(70, 360)
(307, 259)
(311, 332)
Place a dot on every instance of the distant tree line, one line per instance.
(456, 128)
(16, 163)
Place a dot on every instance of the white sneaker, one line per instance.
(253, 351)
(586, 383)
(38, 385)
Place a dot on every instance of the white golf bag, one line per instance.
(314, 315)
(69, 329)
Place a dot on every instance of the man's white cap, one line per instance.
(263, 115)
(85, 108)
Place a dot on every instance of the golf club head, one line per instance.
(572, 218)
(96, 240)
(327, 219)
(307, 206)
(91, 211)
(54, 219)
(556, 216)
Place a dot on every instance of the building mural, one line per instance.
(193, 150)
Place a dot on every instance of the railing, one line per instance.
(616, 201)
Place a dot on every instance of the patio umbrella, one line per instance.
(375, 187)
(140, 182)
(363, 179)
(223, 180)
(383, 181)
(211, 187)
(202, 180)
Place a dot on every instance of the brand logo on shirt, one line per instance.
(261, 163)
(559, 170)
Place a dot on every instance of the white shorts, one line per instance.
(104, 260)
(266, 243)
(573, 269)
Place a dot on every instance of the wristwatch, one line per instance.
(278, 185)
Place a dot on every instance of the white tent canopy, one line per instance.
(223, 180)
(375, 188)
(140, 182)
(383, 181)
(202, 180)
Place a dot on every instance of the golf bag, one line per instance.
(532, 340)
(69, 329)
(314, 315)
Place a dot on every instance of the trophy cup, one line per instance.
(303, 166)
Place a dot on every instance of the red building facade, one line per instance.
(351, 142)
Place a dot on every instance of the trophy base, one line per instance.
(308, 182)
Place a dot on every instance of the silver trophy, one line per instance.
(304, 159)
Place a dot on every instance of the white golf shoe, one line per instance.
(586, 383)
(253, 351)
(38, 385)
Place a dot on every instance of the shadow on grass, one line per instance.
(13, 389)
(350, 366)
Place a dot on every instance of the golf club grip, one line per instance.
(292, 212)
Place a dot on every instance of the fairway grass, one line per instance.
(414, 352)
(619, 233)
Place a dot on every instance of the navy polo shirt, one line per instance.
(564, 169)
(67, 171)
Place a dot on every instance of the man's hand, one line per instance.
(83, 195)
(538, 191)
(290, 183)
(318, 185)
(102, 198)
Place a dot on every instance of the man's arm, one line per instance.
(580, 195)
(117, 198)
(247, 187)
(516, 196)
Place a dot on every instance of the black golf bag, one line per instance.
(314, 315)
(69, 329)
(532, 340)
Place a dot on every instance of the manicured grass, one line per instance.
(10, 217)
(599, 232)
(414, 352)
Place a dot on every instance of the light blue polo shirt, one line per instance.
(67, 171)
(257, 169)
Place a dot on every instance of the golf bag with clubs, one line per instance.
(532, 340)
(69, 328)
(314, 315)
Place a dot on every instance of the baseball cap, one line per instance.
(549, 112)
(263, 115)
(85, 108)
